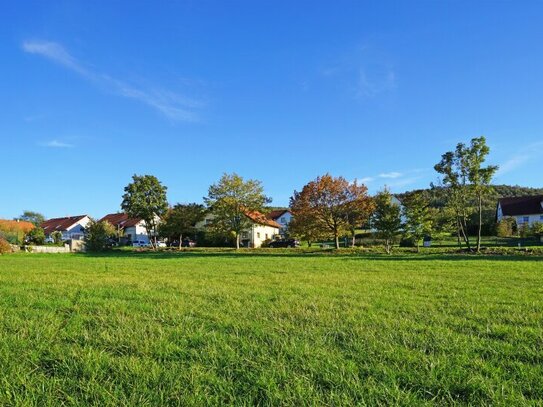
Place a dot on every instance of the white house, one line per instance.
(524, 209)
(260, 229)
(133, 228)
(71, 227)
(282, 217)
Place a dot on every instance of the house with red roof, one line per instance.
(524, 209)
(71, 227)
(133, 228)
(261, 228)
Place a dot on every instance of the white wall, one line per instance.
(77, 230)
(137, 233)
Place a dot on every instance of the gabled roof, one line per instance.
(121, 220)
(276, 214)
(60, 224)
(523, 205)
(261, 219)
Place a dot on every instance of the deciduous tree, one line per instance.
(97, 235)
(35, 218)
(181, 220)
(418, 217)
(145, 198)
(230, 199)
(386, 219)
(332, 205)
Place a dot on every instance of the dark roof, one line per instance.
(277, 213)
(49, 226)
(261, 219)
(121, 220)
(523, 205)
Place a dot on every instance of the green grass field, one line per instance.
(270, 329)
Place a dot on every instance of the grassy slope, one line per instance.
(215, 329)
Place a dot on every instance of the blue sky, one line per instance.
(93, 92)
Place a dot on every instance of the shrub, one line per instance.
(36, 236)
(5, 247)
(506, 227)
(97, 236)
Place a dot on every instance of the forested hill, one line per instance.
(498, 191)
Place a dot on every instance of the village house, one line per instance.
(260, 229)
(525, 209)
(71, 227)
(282, 217)
(133, 229)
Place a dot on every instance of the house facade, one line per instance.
(71, 227)
(133, 228)
(282, 217)
(260, 229)
(526, 210)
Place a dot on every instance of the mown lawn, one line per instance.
(270, 329)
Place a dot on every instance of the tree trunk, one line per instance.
(180, 239)
(237, 240)
(480, 223)
(353, 241)
(336, 236)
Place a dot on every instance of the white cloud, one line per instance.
(56, 144)
(520, 158)
(170, 104)
(366, 180)
(392, 174)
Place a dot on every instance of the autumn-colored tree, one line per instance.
(331, 205)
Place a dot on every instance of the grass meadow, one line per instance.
(222, 328)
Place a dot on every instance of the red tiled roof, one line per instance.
(261, 219)
(61, 224)
(522, 205)
(121, 220)
(277, 213)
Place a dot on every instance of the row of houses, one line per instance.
(525, 210)
(262, 227)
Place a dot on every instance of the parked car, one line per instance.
(161, 244)
(140, 243)
(285, 243)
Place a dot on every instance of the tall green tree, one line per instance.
(418, 217)
(230, 199)
(35, 218)
(467, 183)
(145, 198)
(479, 177)
(181, 220)
(386, 219)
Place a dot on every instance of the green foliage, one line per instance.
(386, 219)
(180, 221)
(536, 229)
(507, 227)
(35, 218)
(57, 237)
(224, 328)
(97, 235)
(145, 198)
(418, 217)
(230, 199)
(35, 236)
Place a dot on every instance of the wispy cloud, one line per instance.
(170, 104)
(392, 174)
(366, 180)
(521, 157)
(363, 72)
(56, 144)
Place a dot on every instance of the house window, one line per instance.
(244, 235)
(266, 236)
(283, 220)
(541, 218)
(258, 235)
(525, 219)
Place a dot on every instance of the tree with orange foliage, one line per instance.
(333, 205)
